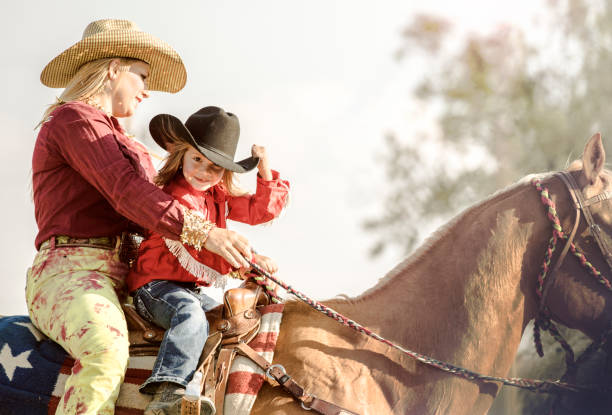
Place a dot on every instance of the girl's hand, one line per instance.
(267, 264)
(263, 166)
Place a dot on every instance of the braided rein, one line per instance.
(262, 277)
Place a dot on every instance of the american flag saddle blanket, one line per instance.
(34, 369)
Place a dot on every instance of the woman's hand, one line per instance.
(232, 246)
(264, 165)
(267, 264)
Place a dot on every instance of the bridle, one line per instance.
(546, 278)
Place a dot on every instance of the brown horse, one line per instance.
(464, 298)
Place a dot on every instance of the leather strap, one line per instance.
(583, 205)
(102, 242)
(309, 402)
(224, 362)
(207, 364)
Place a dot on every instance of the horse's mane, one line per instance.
(441, 232)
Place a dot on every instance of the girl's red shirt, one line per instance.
(89, 179)
(162, 259)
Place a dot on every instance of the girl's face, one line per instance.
(200, 172)
(128, 88)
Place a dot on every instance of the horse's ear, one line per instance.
(593, 158)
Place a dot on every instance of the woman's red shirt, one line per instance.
(89, 179)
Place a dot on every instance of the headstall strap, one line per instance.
(583, 205)
(574, 192)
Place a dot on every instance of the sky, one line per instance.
(314, 82)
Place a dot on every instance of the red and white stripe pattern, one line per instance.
(245, 379)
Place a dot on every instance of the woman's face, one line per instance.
(128, 88)
(200, 172)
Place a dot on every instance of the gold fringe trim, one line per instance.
(195, 228)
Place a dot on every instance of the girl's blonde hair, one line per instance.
(174, 162)
(87, 82)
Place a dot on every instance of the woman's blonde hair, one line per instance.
(87, 82)
(174, 163)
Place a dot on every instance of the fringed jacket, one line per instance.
(161, 258)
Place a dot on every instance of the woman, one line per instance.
(92, 184)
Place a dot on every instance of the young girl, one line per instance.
(165, 280)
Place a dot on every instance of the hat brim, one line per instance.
(164, 126)
(166, 73)
(241, 166)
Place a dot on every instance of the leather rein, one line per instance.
(544, 319)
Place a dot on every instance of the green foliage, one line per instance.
(528, 106)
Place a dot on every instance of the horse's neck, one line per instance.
(463, 297)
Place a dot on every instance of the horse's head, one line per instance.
(577, 296)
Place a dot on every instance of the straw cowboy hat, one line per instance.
(211, 131)
(118, 38)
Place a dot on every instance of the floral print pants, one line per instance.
(71, 294)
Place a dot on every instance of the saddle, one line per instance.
(236, 320)
(232, 325)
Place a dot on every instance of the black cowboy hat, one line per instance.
(211, 131)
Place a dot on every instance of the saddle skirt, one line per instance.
(34, 369)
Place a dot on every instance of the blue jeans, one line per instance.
(181, 311)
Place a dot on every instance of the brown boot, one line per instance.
(167, 400)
